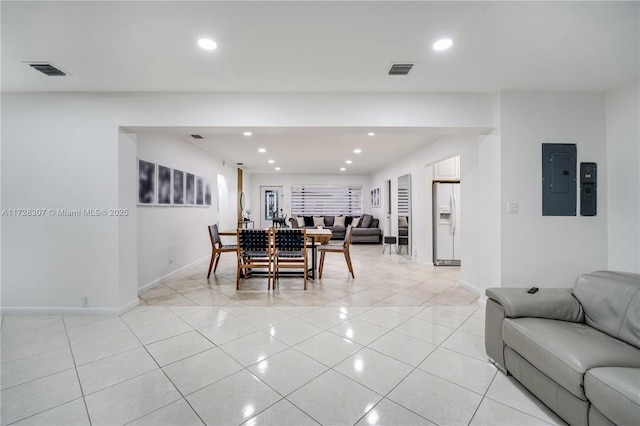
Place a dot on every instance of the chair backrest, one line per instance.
(290, 239)
(348, 233)
(214, 235)
(253, 240)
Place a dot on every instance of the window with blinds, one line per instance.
(319, 200)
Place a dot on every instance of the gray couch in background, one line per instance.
(577, 350)
(368, 230)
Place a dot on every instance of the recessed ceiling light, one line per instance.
(371, 134)
(443, 44)
(348, 161)
(207, 44)
(277, 168)
(262, 150)
(342, 169)
(357, 151)
(247, 133)
(271, 161)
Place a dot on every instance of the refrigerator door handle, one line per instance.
(454, 213)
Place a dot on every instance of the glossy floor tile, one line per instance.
(401, 344)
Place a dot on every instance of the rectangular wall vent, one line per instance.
(400, 69)
(197, 137)
(48, 69)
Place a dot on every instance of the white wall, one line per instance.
(549, 251)
(63, 150)
(172, 237)
(623, 150)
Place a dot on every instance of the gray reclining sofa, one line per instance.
(577, 350)
(367, 231)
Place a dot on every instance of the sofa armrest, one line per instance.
(550, 303)
(294, 222)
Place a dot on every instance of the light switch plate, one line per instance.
(513, 208)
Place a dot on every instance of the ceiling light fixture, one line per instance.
(357, 151)
(247, 133)
(262, 150)
(443, 44)
(371, 134)
(207, 44)
(342, 169)
(271, 161)
(277, 168)
(348, 161)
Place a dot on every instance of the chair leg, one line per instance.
(305, 273)
(216, 264)
(321, 263)
(211, 265)
(349, 265)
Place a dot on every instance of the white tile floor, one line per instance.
(345, 352)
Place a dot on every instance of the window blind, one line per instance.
(319, 200)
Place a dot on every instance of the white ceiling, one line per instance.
(319, 46)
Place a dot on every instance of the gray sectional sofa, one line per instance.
(367, 231)
(577, 350)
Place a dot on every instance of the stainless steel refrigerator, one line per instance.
(446, 223)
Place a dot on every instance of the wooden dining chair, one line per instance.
(254, 251)
(338, 248)
(217, 248)
(290, 251)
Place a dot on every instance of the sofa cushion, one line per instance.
(366, 221)
(328, 220)
(403, 222)
(300, 221)
(608, 299)
(355, 221)
(615, 392)
(318, 221)
(308, 220)
(367, 231)
(564, 351)
(338, 222)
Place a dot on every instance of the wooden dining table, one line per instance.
(315, 237)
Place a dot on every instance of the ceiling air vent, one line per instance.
(47, 69)
(400, 69)
(197, 137)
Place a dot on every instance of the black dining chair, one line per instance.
(254, 252)
(290, 251)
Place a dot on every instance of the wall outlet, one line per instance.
(85, 301)
(170, 261)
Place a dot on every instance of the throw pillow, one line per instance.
(318, 221)
(355, 222)
(308, 221)
(402, 222)
(366, 221)
(328, 220)
(338, 222)
(300, 221)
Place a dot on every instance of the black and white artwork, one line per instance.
(199, 191)
(178, 187)
(146, 182)
(164, 185)
(375, 197)
(189, 190)
(207, 192)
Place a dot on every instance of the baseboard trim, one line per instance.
(157, 281)
(50, 310)
(482, 299)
